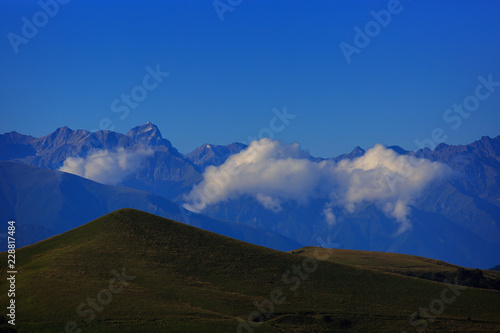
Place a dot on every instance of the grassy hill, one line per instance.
(179, 278)
(408, 265)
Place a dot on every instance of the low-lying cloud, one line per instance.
(106, 166)
(273, 173)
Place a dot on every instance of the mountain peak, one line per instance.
(64, 129)
(148, 134)
(147, 127)
(209, 154)
(398, 150)
(356, 152)
(61, 134)
(358, 149)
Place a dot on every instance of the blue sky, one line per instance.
(226, 76)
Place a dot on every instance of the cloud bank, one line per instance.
(273, 173)
(106, 166)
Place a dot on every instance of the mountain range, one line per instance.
(456, 219)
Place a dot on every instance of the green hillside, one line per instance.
(181, 279)
(408, 265)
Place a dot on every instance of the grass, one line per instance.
(402, 264)
(188, 279)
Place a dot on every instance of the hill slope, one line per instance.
(408, 265)
(45, 203)
(177, 278)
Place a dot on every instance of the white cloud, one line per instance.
(273, 173)
(329, 216)
(269, 202)
(105, 166)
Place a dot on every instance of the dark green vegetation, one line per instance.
(190, 280)
(409, 265)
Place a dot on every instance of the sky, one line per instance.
(347, 73)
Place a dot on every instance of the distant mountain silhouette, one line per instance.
(208, 154)
(457, 220)
(167, 172)
(45, 203)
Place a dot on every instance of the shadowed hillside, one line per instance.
(177, 278)
(408, 265)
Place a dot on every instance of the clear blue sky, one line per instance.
(227, 76)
